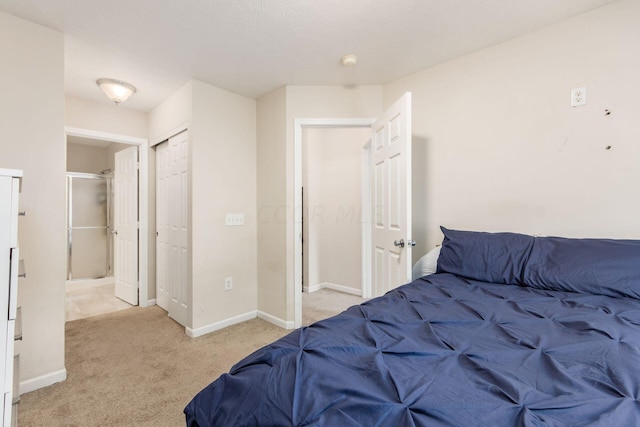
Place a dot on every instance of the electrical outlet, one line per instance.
(228, 283)
(234, 219)
(578, 96)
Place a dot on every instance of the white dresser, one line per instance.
(10, 181)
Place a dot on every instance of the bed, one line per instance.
(511, 330)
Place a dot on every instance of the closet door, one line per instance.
(172, 228)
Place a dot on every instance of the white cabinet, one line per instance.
(10, 325)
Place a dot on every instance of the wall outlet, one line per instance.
(228, 283)
(234, 219)
(578, 96)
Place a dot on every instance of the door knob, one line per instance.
(399, 243)
(411, 242)
(114, 232)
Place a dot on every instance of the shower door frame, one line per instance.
(108, 259)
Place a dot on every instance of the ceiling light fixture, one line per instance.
(349, 60)
(116, 90)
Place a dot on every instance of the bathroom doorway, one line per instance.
(90, 287)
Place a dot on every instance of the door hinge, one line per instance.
(138, 165)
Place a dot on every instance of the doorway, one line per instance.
(332, 213)
(300, 126)
(91, 161)
(332, 172)
(386, 189)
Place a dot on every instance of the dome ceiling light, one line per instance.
(349, 60)
(116, 90)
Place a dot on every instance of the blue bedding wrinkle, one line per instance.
(444, 351)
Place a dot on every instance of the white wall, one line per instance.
(173, 112)
(80, 113)
(332, 160)
(223, 138)
(271, 202)
(86, 158)
(497, 147)
(33, 140)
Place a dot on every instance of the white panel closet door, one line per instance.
(162, 225)
(391, 197)
(172, 223)
(125, 251)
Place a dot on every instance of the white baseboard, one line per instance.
(43, 381)
(149, 303)
(275, 320)
(203, 330)
(333, 286)
(313, 288)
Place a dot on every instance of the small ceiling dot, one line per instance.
(349, 60)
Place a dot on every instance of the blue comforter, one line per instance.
(444, 351)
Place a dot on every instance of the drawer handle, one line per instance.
(21, 269)
(22, 213)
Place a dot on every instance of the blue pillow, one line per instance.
(487, 257)
(597, 266)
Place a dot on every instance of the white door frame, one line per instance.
(143, 199)
(297, 206)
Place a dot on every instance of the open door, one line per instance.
(125, 227)
(391, 198)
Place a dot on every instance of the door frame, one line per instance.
(143, 200)
(299, 124)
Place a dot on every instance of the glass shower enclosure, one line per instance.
(89, 252)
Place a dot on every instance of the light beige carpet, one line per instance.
(325, 303)
(137, 367)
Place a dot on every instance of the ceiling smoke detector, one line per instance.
(349, 60)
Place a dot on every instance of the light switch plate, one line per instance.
(234, 219)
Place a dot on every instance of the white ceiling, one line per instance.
(251, 47)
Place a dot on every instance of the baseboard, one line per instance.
(203, 330)
(313, 288)
(43, 381)
(333, 286)
(149, 303)
(275, 320)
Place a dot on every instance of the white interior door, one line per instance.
(172, 233)
(125, 229)
(391, 197)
